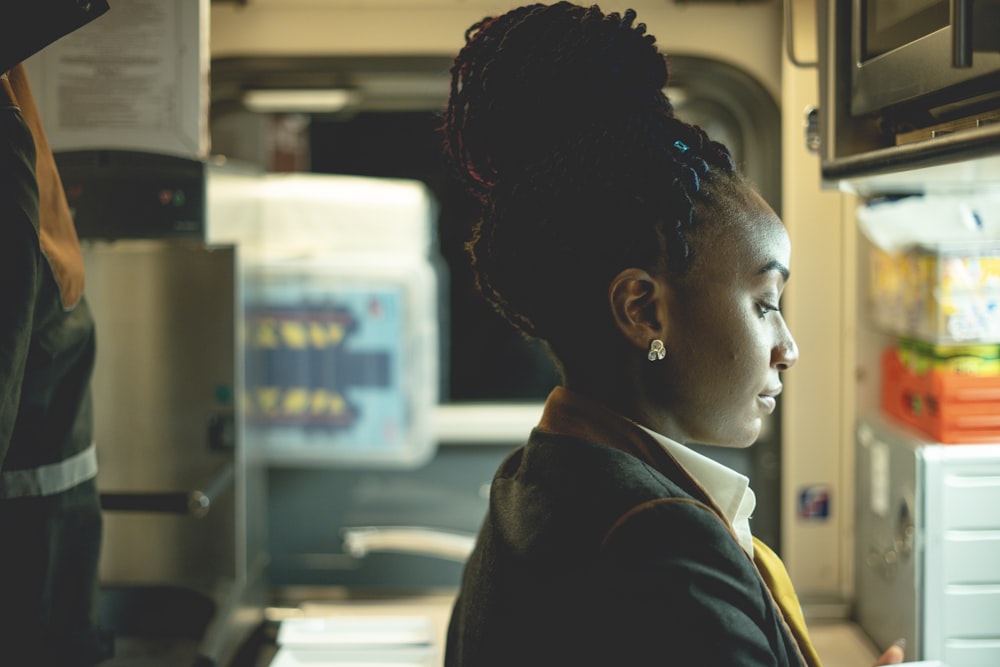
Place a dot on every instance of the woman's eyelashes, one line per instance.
(764, 307)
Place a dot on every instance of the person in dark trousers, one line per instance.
(627, 241)
(50, 519)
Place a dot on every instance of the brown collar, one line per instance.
(570, 413)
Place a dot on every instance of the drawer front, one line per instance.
(972, 653)
(972, 557)
(970, 612)
(971, 502)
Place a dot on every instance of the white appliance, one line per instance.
(928, 544)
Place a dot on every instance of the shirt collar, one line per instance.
(729, 489)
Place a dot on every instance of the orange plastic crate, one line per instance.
(952, 408)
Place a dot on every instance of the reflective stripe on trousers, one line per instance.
(51, 478)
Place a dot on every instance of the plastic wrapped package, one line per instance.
(941, 293)
(340, 333)
(935, 265)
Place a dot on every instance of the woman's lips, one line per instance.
(769, 398)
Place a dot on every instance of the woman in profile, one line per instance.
(627, 241)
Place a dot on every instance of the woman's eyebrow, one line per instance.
(775, 265)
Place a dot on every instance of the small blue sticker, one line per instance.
(814, 503)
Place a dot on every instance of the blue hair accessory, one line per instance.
(694, 166)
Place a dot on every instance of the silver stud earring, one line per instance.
(656, 350)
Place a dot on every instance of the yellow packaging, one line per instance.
(981, 360)
(944, 293)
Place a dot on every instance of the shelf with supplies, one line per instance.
(933, 290)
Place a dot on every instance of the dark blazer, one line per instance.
(598, 549)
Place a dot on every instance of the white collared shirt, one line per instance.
(729, 489)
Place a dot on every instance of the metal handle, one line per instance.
(194, 503)
(790, 38)
(961, 33)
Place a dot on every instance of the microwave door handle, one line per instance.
(961, 33)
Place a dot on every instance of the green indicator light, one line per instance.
(223, 394)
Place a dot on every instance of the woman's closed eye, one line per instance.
(764, 308)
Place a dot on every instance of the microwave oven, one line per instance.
(907, 84)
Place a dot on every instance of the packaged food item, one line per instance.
(340, 335)
(978, 359)
(940, 292)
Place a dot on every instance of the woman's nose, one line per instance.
(786, 352)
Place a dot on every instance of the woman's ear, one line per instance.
(638, 306)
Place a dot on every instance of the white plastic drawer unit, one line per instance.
(962, 552)
(928, 544)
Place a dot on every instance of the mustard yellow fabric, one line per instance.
(772, 570)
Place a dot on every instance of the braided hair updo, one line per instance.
(558, 124)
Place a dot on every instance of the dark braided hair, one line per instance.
(557, 123)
